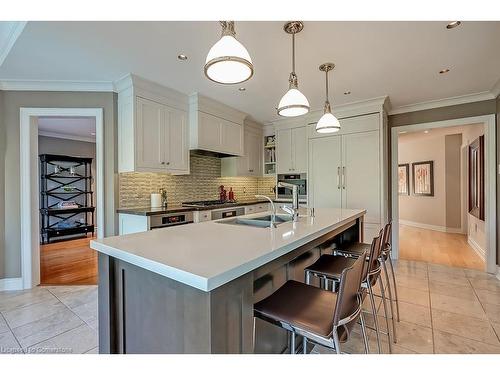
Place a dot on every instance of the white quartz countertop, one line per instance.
(210, 254)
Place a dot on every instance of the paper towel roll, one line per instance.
(155, 200)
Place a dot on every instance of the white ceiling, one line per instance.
(77, 128)
(399, 59)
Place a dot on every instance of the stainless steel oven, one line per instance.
(227, 212)
(170, 220)
(299, 179)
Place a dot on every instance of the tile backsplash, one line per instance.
(202, 184)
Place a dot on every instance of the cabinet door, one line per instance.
(284, 151)
(324, 172)
(209, 132)
(361, 173)
(176, 150)
(150, 135)
(232, 138)
(253, 153)
(299, 150)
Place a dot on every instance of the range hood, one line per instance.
(215, 129)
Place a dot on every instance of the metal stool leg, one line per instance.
(336, 341)
(304, 345)
(363, 331)
(394, 283)
(292, 342)
(384, 266)
(253, 334)
(374, 312)
(385, 313)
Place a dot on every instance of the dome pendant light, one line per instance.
(293, 103)
(328, 123)
(228, 61)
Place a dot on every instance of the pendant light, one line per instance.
(228, 61)
(293, 103)
(328, 123)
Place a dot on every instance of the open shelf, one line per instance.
(59, 172)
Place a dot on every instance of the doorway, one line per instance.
(430, 194)
(65, 259)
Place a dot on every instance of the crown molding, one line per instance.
(495, 90)
(9, 32)
(66, 136)
(463, 99)
(38, 85)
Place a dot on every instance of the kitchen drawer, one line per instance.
(255, 208)
(201, 216)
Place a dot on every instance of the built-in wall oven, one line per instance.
(299, 179)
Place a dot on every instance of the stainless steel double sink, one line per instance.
(259, 222)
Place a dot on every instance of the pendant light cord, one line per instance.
(326, 85)
(293, 53)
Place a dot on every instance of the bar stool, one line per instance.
(353, 250)
(328, 267)
(322, 316)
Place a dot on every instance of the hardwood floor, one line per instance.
(430, 246)
(68, 263)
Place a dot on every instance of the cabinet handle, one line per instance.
(338, 177)
(168, 163)
(343, 178)
(162, 163)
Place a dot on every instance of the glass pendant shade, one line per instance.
(228, 61)
(328, 123)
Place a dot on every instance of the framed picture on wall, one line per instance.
(404, 179)
(476, 178)
(423, 178)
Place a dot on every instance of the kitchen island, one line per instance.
(191, 288)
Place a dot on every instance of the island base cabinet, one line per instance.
(143, 312)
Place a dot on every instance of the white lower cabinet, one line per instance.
(256, 208)
(201, 216)
(345, 171)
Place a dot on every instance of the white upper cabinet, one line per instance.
(251, 163)
(215, 127)
(152, 128)
(291, 150)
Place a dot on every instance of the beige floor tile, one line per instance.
(45, 328)
(413, 282)
(410, 264)
(27, 314)
(3, 324)
(8, 344)
(491, 284)
(17, 299)
(414, 337)
(446, 289)
(496, 327)
(465, 326)
(78, 340)
(449, 278)
(458, 305)
(446, 343)
(355, 344)
(415, 296)
(416, 314)
(411, 271)
(384, 344)
(87, 311)
(75, 297)
(486, 296)
(94, 324)
(476, 274)
(439, 268)
(93, 351)
(492, 312)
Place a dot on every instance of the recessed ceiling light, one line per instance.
(182, 57)
(347, 93)
(443, 71)
(426, 131)
(453, 24)
(242, 89)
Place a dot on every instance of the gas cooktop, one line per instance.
(207, 203)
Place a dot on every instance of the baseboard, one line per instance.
(498, 273)
(431, 227)
(13, 283)
(477, 248)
